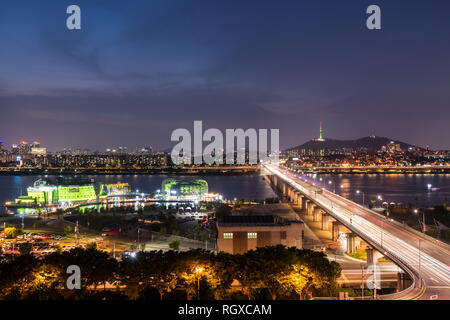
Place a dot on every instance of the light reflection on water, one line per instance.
(398, 188)
(246, 187)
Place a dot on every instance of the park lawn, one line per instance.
(360, 255)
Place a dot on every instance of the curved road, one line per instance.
(429, 259)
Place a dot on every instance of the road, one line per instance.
(426, 258)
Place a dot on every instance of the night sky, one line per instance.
(140, 69)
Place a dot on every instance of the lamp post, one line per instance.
(23, 226)
(334, 185)
(424, 226)
(420, 241)
(198, 271)
(382, 239)
(357, 191)
(362, 281)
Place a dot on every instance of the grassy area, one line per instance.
(360, 255)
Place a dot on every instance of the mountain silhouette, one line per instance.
(370, 143)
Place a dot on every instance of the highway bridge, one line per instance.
(425, 169)
(425, 259)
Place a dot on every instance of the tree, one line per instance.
(11, 232)
(263, 267)
(213, 273)
(25, 248)
(67, 230)
(222, 210)
(97, 267)
(282, 270)
(58, 248)
(41, 283)
(174, 245)
(12, 272)
(91, 245)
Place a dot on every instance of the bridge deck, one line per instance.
(426, 258)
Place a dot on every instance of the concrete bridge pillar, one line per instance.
(372, 255)
(351, 243)
(274, 180)
(299, 199)
(335, 230)
(291, 195)
(310, 208)
(317, 213)
(325, 220)
(304, 203)
(403, 281)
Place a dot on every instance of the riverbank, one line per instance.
(232, 170)
(372, 170)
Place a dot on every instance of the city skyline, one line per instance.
(216, 157)
(125, 148)
(162, 65)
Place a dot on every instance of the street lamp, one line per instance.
(362, 281)
(382, 239)
(357, 191)
(334, 185)
(420, 241)
(198, 271)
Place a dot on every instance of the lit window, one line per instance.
(228, 235)
(283, 235)
(252, 235)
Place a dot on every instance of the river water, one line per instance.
(248, 187)
(398, 188)
(415, 189)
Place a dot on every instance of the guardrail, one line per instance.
(393, 221)
(417, 281)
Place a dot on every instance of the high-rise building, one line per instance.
(38, 151)
(24, 148)
(14, 149)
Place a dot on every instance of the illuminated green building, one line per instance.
(62, 190)
(193, 188)
(69, 190)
